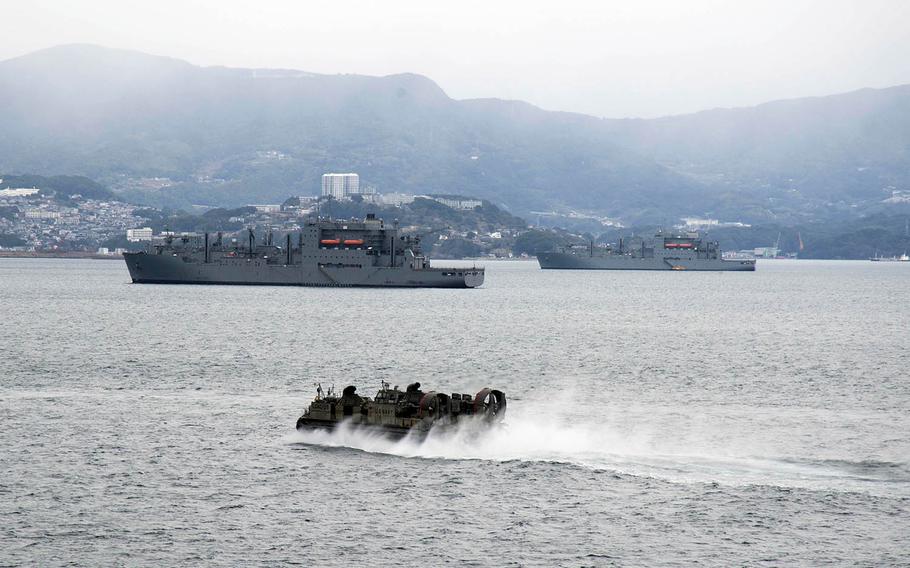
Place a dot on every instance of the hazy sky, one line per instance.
(614, 59)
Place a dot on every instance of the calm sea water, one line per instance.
(654, 418)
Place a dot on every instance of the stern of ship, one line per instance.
(473, 277)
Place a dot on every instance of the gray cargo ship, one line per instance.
(662, 252)
(322, 253)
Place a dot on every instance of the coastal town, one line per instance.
(38, 221)
(31, 220)
(72, 216)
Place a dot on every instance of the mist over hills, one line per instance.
(821, 154)
(228, 137)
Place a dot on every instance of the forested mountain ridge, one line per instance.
(228, 137)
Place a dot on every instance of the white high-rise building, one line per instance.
(340, 185)
(137, 235)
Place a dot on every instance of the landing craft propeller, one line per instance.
(435, 405)
(429, 405)
(491, 404)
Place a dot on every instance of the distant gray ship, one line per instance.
(322, 253)
(662, 252)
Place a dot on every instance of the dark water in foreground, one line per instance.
(654, 418)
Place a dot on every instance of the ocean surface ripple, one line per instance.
(654, 419)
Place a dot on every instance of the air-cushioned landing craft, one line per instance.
(399, 413)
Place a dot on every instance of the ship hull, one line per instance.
(145, 268)
(567, 261)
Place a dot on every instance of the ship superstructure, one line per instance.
(664, 251)
(365, 252)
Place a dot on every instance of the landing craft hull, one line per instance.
(568, 261)
(395, 413)
(385, 430)
(395, 432)
(148, 268)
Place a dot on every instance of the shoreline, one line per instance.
(68, 254)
